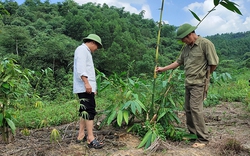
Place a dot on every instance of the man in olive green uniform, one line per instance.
(198, 56)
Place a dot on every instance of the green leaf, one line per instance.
(111, 117)
(6, 85)
(171, 116)
(131, 81)
(164, 83)
(195, 16)
(133, 108)
(128, 94)
(1, 119)
(216, 2)
(126, 105)
(138, 107)
(189, 136)
(145, 139)
(228, 76)
(12, 125)
(161, 115)
(154, 135)
(230, 6)
(141, 104)
(172, 101)
(149, 141)
(176, 119)
(125, 116)
(119, 118)
(6, 78)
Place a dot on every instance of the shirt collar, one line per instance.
(86, 47)
(197, 41)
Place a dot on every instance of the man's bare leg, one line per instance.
(82, 125)
(89, 127)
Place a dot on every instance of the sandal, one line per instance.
(95, 144)
(82, 140)
(198, 145)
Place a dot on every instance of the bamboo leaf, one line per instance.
(131, 81)
(149, 141)
(189, 136)
(145, 139)
(229, 76)
(161, 115)
(172, 101)
(216, 2)
(141, 104)
(111, 117)
(231, 6)
(127, 104)
(128, 94)
(133, 108)
(6, 85)
(154, 135)
(12, 125)
(125, 116)
(1, 119)
(119, 118)
(171, 117)
(176, 119)
(195, 16)
(6, 78)
(172, 132)
(138, 107)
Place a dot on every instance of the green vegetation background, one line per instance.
(42, 36)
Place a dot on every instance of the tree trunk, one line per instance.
(7, 136)
(17, 47)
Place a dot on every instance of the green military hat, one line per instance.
(184, 30)
(95, 38)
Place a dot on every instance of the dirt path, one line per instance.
(228, 124)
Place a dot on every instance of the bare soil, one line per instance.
(228, 124)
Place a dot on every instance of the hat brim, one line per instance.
(185, 33)
(99, 44)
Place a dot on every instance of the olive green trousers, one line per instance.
(194, 111)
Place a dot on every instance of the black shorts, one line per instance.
(87, 105)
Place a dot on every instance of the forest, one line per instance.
(43, 35)
(40, 38)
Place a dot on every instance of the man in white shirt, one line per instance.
(84, 85)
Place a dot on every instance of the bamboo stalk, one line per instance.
(156, 60)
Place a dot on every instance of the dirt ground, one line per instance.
(228, 124)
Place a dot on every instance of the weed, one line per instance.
(25, 132)
(231, 146)
(55, 136)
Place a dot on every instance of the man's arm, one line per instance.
(212, 68)
(168, 67)
(86, 83)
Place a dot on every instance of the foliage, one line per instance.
(127, 104)
(56, 113)
(11, 75)
(42, 37)
(217, 80)
(55, 136)
(131, 103)
(166, 111)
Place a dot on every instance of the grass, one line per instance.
(231, 146)
(62, 111)
(53, 113)
(235, 90)
(47, 115)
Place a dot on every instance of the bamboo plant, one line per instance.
(154, 114)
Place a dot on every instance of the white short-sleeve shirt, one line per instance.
(83, 66)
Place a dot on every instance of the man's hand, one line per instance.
(88, 88)
(159, 69)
